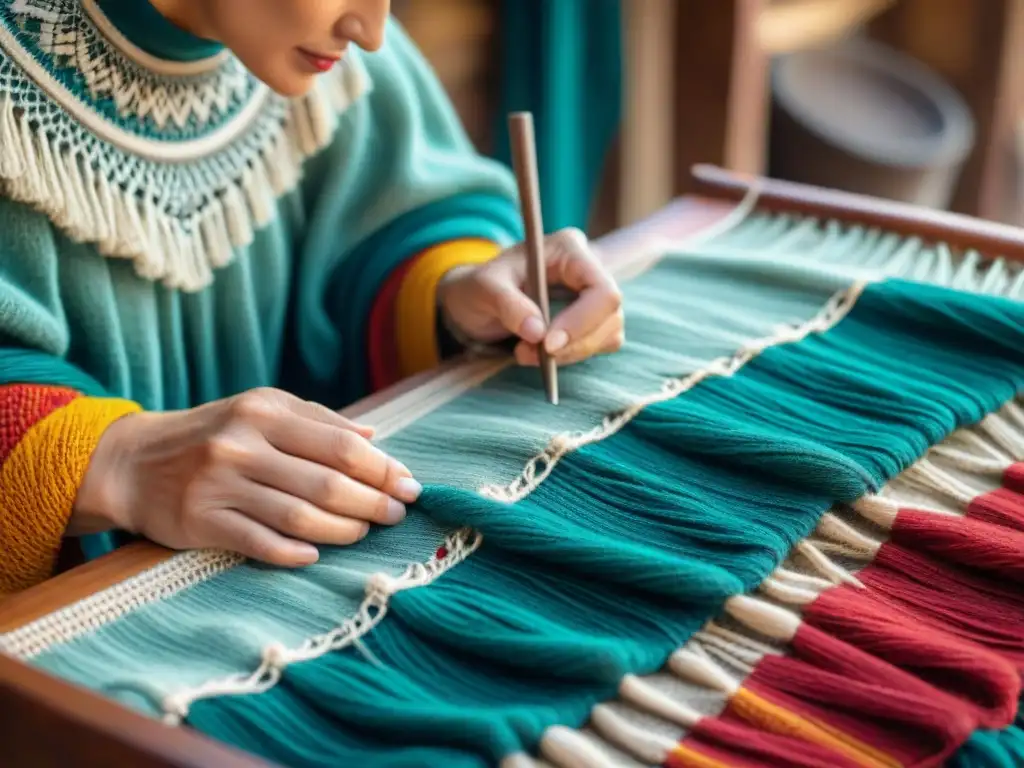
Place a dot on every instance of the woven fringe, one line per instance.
(126, 223)
(760, 625)
(540, 466)
(276, 657)
(152, 585)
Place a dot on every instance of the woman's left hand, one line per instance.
(488, 303)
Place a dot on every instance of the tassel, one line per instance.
(968, 542)
(257, 192)
(236, 213)
(745, 708)
(214, 230)
(748, 708)
(974, 675)
(12, 156)
(950, 600)
(1003, 507)
(842, 688)
(1013, 478)
(741, 746)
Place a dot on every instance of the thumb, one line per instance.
(517, 313)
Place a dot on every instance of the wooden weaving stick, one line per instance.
(524, 161)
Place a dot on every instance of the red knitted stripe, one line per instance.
(381, 344)
(22, 405)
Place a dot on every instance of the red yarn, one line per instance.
(831, 682)
(963, 540)
(950, 599)
(1013, 477)
(1002, 506)
(741, 746)
(981, 679)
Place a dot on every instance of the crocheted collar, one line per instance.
(172, 163)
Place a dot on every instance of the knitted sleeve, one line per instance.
(397, 199)
(47, 434)
(403, 324)
(52, 413)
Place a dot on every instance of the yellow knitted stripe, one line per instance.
(416, 303)
(39, 482)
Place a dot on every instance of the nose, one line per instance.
(364, 23)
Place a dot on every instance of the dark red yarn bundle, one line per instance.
(828, 681)
(1003, 506)
(950, 599)
(982, 680)
(967, 541)
(742, 746)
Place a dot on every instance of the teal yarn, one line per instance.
(1003, 748)
(632, 543)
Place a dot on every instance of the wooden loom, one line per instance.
(48, 722)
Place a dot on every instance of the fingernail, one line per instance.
(401, 469)
(533, 329)
(556, 340)
(409, 489)
(309, 553)
(395, 512)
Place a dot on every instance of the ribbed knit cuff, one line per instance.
(39, 481)
(416, 311)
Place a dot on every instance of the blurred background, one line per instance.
(913, 100)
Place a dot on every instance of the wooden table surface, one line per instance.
(48, 722)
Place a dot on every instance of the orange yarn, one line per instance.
(774, 719)
(39, 482)
(684, 757)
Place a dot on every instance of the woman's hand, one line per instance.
(488, 303)
(264, 474)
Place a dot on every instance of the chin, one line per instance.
(292, 87)
(285, 81)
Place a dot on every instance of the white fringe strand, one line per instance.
(180, 249)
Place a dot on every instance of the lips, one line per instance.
(320, 62)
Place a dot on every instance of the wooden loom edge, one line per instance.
(989, 238)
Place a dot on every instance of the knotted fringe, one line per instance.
(540, 466)
(276, 657)
(125, 221)
(894, 661)
(185, 570)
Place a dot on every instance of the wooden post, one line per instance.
(722, 90)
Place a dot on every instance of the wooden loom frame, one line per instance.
(49, 722)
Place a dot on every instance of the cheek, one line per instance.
(276, 63)
(264, 35)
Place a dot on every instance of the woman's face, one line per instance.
(285, 43)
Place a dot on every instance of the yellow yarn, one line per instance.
(39, 482)
(416, 304)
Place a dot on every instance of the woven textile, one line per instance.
(785, 526)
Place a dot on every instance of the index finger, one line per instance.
(344, 451)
